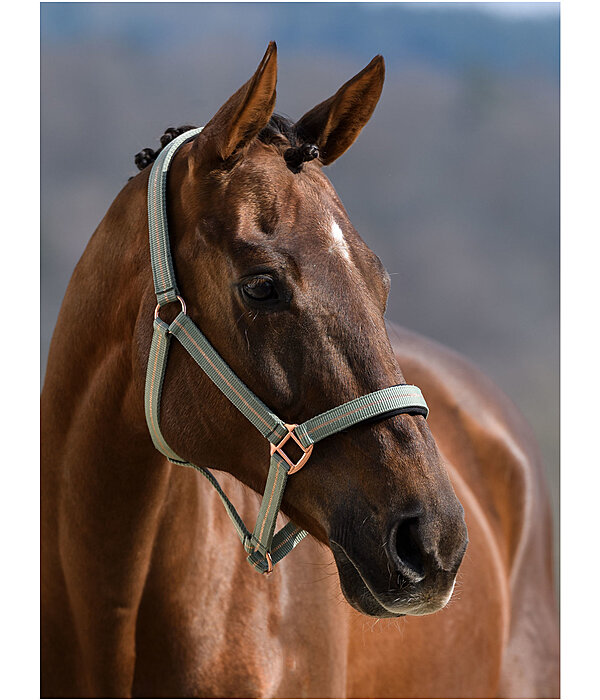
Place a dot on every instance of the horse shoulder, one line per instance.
(208, 621)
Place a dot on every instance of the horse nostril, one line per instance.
(406, 548)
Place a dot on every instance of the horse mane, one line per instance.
(280, 131)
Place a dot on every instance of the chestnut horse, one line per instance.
(145, 588)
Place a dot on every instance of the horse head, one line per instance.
(278, 279)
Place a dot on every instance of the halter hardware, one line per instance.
(306, 451)
(269, 564)
(159, 306)
(264, 546)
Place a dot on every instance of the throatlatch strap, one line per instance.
(264, 547)
(165, 285)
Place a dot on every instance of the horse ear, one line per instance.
(334, 124)
(244, 114)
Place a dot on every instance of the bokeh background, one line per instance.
(454, 182)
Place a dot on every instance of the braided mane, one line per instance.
(279, 130)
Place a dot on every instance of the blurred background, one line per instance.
(454, 183)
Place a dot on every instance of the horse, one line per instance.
(428, 567)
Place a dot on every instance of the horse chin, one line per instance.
(354, 588)
(359, 595)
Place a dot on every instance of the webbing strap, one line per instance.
(271, 502)
(402, 397)
(155, 377)
(263, 540)
(198, 346)
(284, 541)
(276, 545)
(265, 547)
(155, 374)
(165, 285)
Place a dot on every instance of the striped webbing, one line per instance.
(265, 547)
(165, 285)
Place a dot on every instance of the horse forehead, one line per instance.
(263, 178)
(322, 227)
(302, 203)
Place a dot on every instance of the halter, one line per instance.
(264, 547)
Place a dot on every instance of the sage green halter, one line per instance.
(264, 547)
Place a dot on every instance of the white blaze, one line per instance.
(339, 242)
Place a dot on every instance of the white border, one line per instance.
(580, 483)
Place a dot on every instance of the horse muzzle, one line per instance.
(409, 574)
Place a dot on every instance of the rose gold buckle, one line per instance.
(158, 306)
(307, 450)
(269, 564)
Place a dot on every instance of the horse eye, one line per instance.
(260, 288)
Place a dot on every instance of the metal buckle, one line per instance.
(306, 450)
(267, 555)
(269, 564)
(158, 306)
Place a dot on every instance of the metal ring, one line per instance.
(158, 306)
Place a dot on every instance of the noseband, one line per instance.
(264, 547)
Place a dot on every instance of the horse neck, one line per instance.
(90, 376)
(95, 441)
